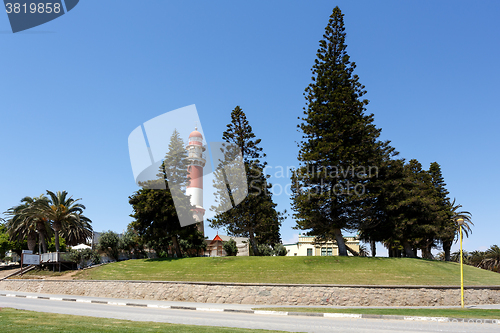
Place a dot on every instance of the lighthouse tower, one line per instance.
(195, 151)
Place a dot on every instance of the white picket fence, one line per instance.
(54, 257)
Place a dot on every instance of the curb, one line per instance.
(280, 313)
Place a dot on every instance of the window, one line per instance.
(309, 252)
(323, 251)
(329, 251)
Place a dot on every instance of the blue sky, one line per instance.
(73, 89)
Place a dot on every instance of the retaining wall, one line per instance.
(258, 293)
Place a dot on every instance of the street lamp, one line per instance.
(460, 222)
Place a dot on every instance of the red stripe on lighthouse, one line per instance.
(196, 176)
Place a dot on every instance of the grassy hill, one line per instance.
(314, 270)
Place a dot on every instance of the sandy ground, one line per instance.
(67, 276)
(64, 276)
(5, 272)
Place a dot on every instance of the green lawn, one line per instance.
(302, 270)
(14, 321)
(454, 313)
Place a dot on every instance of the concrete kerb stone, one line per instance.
(281, 313)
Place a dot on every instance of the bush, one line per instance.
(109, 243)
(265, 250)
(83, 257)
(279, 250)
(51, 245)
(131, 244)
(230, 247)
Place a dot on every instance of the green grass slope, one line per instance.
(14, 321)
(302, 270)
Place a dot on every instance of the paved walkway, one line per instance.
(6, 270)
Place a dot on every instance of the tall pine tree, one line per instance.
(255, 217)
(339, 143)
(447, 230)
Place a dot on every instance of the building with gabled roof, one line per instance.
(215, 247)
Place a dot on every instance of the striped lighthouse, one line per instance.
(195, 151)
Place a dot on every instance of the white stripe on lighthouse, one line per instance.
(196, 196)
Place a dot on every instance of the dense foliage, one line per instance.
(40, 219)
(157, 223)
(255, 216)
(109, 243)
(489, 259)
(340, 152)
(230, 247)
(349, 180)
(85, 257)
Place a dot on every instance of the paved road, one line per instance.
(215, 318)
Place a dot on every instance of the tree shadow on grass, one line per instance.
(163, 259)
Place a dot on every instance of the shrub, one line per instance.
(83, 257)
(109, 243)
(230, 247)
(265, 250)
(51, 245)
(279, 250)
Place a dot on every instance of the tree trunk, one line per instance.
(40, 227)
(447, 250)
(177, 248)
(255, 249)
(429, 251)
(426, 250)
(424, 253)
(44, 244)
(31, 240)
(408, 250)
(56, 239)
(353, 252)
(340, 242)
(373, 248)
(57, 227)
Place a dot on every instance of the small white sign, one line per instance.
(28, 251)
(31, 259)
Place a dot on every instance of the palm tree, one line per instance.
(476, 257)
(20, 229)
(466, 216)
(491, 259)
(455, 215)
(455, 257)
(77, 231)
(65, 215)
(26, 221)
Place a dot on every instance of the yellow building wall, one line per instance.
(307, 242)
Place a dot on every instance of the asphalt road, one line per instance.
(228, 319)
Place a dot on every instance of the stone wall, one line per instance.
(264, 294)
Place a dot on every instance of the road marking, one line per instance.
(342, 315)
(263, 312)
